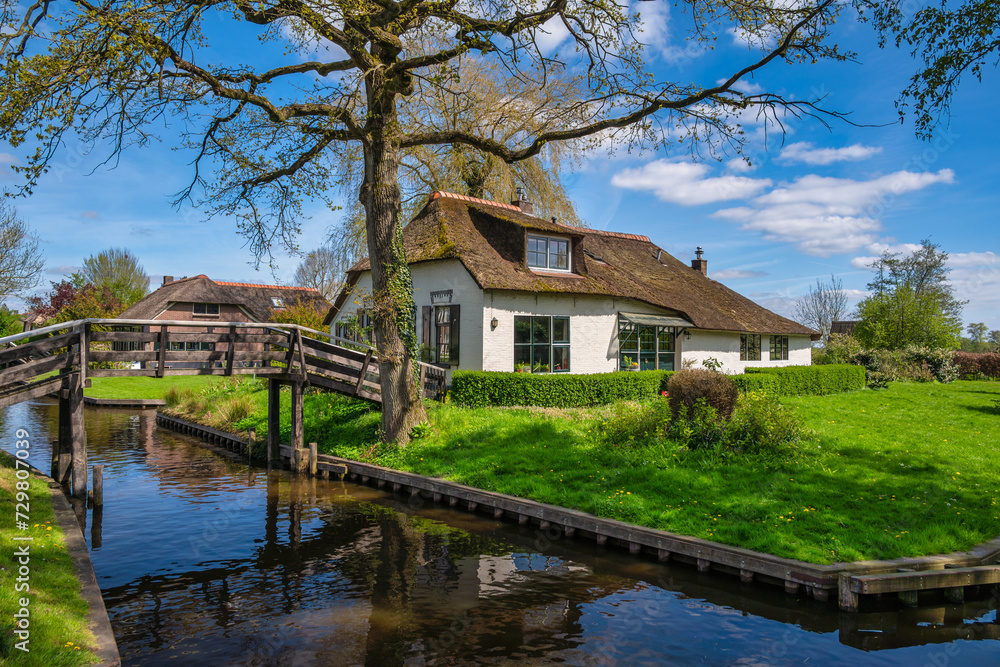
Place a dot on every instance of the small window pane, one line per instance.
(560, 358)
(628, 340)
(647, 339)
(666, 362)
(666, 340)
(540, 355)
(443, 315)
(522, 354)
(560, 330)
(540, 329)
(522, 329)
(558, 254)
(647, 362)
(537, 252)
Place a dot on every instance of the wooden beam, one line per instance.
(84, 350)
(896, 582)
(302, 356)
(36, 348)
(34, 368)
(231, 350)
(161, 362)
(364, 369)
(297, 426)
(27, 392)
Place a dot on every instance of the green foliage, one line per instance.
(712, 364)
(687, 387)
(491, 388)
(759, 425)
(10, 322)
(838, 349)
(118, 271)
(757, 382)
(421, 430)
(301, 313)
(912, 302)
(915, 363)
(815, 380)
(635, 422)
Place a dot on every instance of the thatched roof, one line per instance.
(843, 327)
(256, 300)
(489, 239)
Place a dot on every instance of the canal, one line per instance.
(202, 561)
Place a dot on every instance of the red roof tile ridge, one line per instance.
(451, 195)
(225, 282)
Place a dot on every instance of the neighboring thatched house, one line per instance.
(499, 289)
(201, 299)
(843, 327)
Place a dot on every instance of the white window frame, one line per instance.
(548, 253)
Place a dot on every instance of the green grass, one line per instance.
(145, 387)
(57, 613)
(905, 471)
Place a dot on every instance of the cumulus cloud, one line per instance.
(736, 274)
(739, 165)
(686, 183)
(963, 260)
(824, 216)
(552, 35)
(805, 152)
(63, 270)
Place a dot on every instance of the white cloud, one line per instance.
(807, 153)
(959, 260)
(7, 158)
(686, 183)
(744, 86)
(63, 270)
(739, 165)
(91, 215)
(552, 35)
(736, 274)
(825, 216)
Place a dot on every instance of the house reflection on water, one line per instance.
(204, 562)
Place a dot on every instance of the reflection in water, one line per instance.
(204, 562)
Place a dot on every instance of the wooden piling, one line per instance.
(313, 459)
(98, 486)
(297, 425)
(251, 442)
(273, 424)
(72, 459)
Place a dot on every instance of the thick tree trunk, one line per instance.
(393, 311)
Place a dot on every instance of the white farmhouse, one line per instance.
(498, 289)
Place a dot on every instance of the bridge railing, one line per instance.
(155, 348)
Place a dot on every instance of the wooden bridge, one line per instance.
(61, 359)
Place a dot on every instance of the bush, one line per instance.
(839, 349)
(936, 360)
(976, 365)
(815, 380)
(759, 424)
(634, 423)
(717, 390)
(480, 389)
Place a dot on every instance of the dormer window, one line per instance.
(547, 252)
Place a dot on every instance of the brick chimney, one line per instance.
(167, 280)
(522, 202)
(699, 264)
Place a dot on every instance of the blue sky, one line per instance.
(818, 201)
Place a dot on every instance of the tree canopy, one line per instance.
(276, 128)
(118, 271)
(950, 39)
(912, 302)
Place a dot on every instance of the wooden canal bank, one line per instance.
(951, 576)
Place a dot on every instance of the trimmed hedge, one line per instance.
(757, 382)
(978, 364)
(479, 389)
(815, 380)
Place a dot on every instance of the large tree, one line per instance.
(911, 302)
(118, 271)
(324, 269)
(824, 304)
(274, 130)
(21, 259)
(950, 39)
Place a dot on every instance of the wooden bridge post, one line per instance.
(298, 435)
(273, 424)
(72, 437)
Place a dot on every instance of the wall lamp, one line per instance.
(494, 323)
(687, 334)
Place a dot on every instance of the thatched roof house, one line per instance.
(201, 298)
(629, 300)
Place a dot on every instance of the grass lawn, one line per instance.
(145, 387)
(905, 471)
(57, 613)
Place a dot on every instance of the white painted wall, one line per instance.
(724, 346)
(593, 324)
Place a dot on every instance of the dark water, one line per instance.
(202, 562)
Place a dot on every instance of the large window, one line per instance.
(650, 347)
(749, 347)
(206, 309)
(440, 334)
(779, 348)
(548, 253)
(541, 343)
(357, 327)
